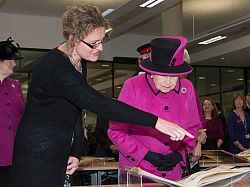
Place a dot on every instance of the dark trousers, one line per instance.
(5, 175)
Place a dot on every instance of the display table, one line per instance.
(131, 185)
(96, 169)
(211, 158)
(242, 181)
(102, 166)
(223, 175)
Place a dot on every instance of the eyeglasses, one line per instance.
(94, 46)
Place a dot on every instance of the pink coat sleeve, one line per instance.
(119, 132)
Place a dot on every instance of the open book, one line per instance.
(245, 154)
(200, 178)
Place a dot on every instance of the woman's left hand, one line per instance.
(73, 163)
(196, 153)
(202, 136)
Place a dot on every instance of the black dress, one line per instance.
(43, 141)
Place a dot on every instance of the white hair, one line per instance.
(186, 56)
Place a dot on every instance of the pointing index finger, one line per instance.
(189, 135)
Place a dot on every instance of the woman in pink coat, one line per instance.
(11, 107)
(162, 90)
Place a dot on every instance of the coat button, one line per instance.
(8, 116)
(6, 93)
(132, 159)
(166, 107)
(8, 104)
(10, 127)
(163, 174)
(166, 143)
(128, 156)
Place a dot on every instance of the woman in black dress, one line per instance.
(57, 93)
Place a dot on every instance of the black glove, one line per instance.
(164, 162)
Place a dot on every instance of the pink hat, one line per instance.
(167, 57)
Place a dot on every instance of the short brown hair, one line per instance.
(80, 20)
(238, 95)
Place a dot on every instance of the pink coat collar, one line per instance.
(155, 90)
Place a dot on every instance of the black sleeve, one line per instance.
(71, 85)
(101, 128)
(77, 144)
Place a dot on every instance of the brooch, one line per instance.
(13, 85)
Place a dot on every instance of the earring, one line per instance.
(151, 76)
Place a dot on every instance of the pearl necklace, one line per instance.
(74, 64)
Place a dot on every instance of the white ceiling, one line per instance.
(53, 8)
(211, 17)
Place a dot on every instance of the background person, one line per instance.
(225, 145)
(57, 93)
(164, 92)
(214, 126)
(248, 102)
(239, 125)
(11, 107)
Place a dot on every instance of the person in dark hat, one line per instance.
(164, 91)
(144, 51)
(11, 107)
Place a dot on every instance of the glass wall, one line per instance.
(232, 81)
(207, 81)
(219, 83)
(99, 76)
(122, 72)
(107, 77)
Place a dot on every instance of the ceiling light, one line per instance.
(212, 84)
(147, 3)
(211, 40)
(202, 78)
(231, 71)
(105, 65)
(151, 3)
(222, 58)
(108, 11)
(240, 79)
